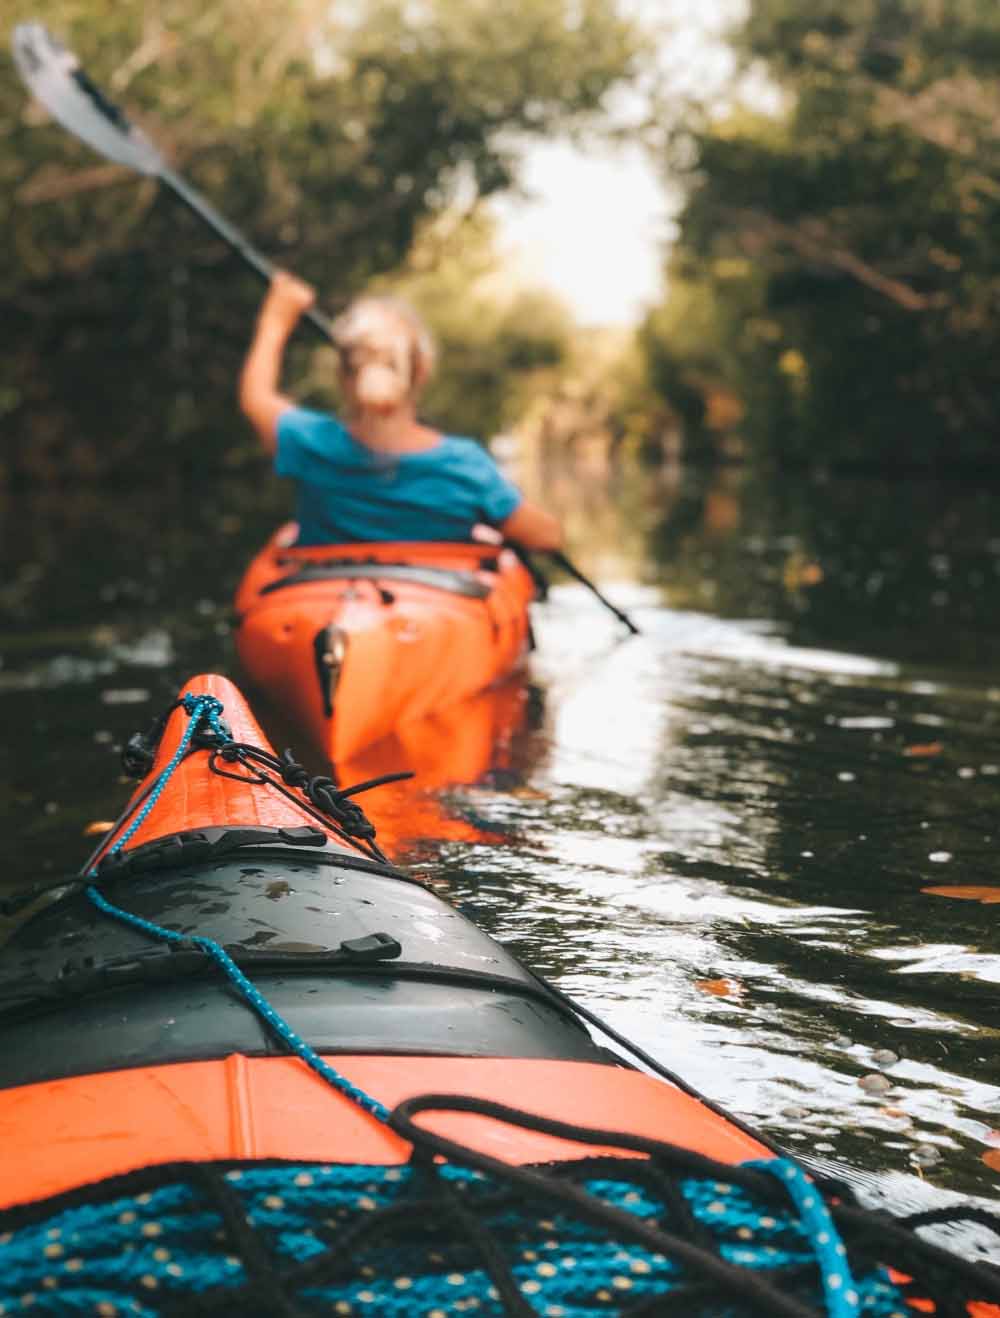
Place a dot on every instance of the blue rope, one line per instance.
(843, 1299)
(170, 1242)
(198, 708)
(209, 709)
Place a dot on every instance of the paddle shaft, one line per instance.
(240, 244)
(567, 565)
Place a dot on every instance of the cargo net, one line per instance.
(666, 1232)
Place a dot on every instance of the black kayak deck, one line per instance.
(356, 960)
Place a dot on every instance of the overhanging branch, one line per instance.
(817, 245)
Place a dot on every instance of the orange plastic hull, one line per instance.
(405, 649)
(66, 1132)
(198, 798)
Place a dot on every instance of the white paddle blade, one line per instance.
(55, 78)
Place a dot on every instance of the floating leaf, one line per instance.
(923, 749)
(721, 988)
(992, 1159)
(968, 893)
(98, 826)
(800, 571)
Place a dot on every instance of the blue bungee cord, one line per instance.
(207, 709)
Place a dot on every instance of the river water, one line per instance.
(720, 835)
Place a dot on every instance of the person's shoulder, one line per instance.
(465, 450)
(309, 429)
(308, 442)
(307, 420)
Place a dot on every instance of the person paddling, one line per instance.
(380, 474)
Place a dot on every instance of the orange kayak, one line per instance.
(246, 1065)
(355, 641)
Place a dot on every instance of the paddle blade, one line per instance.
(55, 78)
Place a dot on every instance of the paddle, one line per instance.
(568, 566)
(559, 558)
(55, 78)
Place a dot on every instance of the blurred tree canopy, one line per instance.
(499, 339)
(839, 260)
(332, 134)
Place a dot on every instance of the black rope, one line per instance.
(761, 1294)
(936, 1269)
(324, 800)
(500, 1271)
(252, 1252)
(916, 1251)
(318, 796)
(949, 1213)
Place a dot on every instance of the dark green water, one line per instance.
(717, 834)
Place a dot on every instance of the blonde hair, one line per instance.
(405, 349)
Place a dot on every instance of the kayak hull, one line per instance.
(355, 641)
(70, 1132)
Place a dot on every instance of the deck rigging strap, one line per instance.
(452, 580)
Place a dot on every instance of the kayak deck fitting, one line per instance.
(249, 1066)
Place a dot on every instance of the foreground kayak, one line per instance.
(247, 1066)
(356, 640)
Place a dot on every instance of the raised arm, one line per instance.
(262, 401)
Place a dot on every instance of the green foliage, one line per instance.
(329, 139)
(499, 341)
(842, 253)
(496, 351)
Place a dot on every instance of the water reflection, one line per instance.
(469, 743)
(757, 792)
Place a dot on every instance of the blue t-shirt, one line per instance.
(346, 491)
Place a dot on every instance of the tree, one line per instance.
(329, 139)
(845, 245)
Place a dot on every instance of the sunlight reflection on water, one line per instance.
(661, 853)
